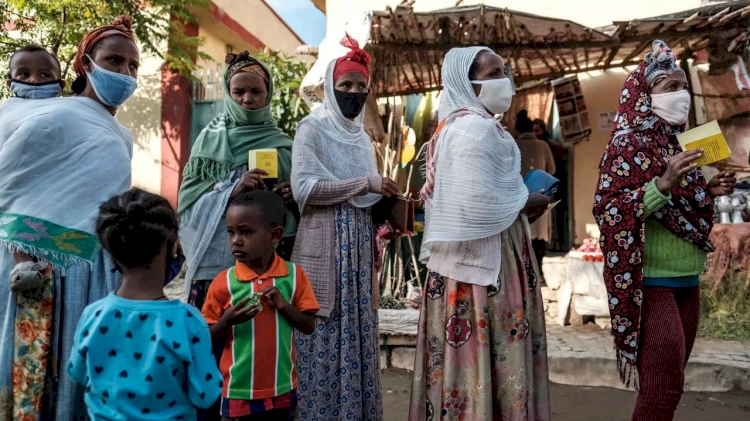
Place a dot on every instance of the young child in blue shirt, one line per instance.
(139, 355)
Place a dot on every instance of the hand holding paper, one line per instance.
(679, 165)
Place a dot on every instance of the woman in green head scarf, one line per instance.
(218, 171)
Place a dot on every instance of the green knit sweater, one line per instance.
(667, 255)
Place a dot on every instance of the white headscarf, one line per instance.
(329, 146)
(478, 190)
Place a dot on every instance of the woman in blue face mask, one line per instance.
(60, 158)
(106, 65)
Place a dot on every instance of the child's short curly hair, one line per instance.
(270, 204)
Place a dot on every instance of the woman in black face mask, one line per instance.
(335, 183)
(351, 90)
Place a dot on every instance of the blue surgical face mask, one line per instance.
(28, 90)
(111, 88)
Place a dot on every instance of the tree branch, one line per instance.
(59, 40)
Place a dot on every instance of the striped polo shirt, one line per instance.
(258, 361)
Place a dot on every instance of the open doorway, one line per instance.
(562, 214)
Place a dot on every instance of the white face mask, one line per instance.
(672, 106)
(496, 94)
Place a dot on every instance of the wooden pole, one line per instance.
(692, 117)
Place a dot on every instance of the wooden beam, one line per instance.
(611, 55)
(643, 44)
(714, 18)
(575, 53)
(560, 66)
(562, 58)
(601, 58)
(519, 36)
(544, 60)
(397, 90)
(411, 54)
(692, 118)
(568, 44)
(424, 55)
(482, 25)
(554, 75)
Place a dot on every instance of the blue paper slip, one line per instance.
(540, 181)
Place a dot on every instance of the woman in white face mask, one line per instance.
(655, 212)
(482, 298)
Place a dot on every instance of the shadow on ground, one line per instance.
(574, 403)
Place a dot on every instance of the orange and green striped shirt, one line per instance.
(258, 361)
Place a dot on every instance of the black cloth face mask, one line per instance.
(350, 103)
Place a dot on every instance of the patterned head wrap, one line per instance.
(120, 26)
(660, 63)
(243, 62)
(356, 60)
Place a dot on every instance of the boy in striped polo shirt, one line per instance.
(255, 306)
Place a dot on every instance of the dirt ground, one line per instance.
(572, 403)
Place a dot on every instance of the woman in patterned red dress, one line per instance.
(655, 211)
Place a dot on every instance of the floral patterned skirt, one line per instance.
(36, 339)
(481, 351)
(339, 363)
(32, 345)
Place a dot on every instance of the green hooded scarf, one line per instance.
(224, 144)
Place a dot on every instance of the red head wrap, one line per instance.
(355, 60)
(120, 26)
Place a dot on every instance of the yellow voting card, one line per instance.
(552, 205)
(266, 160)
(709, 138)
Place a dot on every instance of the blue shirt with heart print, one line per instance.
(144, 360)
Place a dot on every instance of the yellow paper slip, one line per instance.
(266, 160)
(709, 138)
(552, 205)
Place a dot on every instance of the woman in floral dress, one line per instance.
(481, 349)
(335, 183)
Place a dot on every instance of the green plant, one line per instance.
(59, 25)
(725, 314)
(389, 302)
(287, 106)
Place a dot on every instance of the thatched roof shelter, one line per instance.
(408, 47)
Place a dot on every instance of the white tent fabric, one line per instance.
(311, 90)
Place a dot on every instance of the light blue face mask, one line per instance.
(111, 88)
(27, 90)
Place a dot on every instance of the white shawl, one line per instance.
(60, 158)
(338, 150)
(478, 191)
